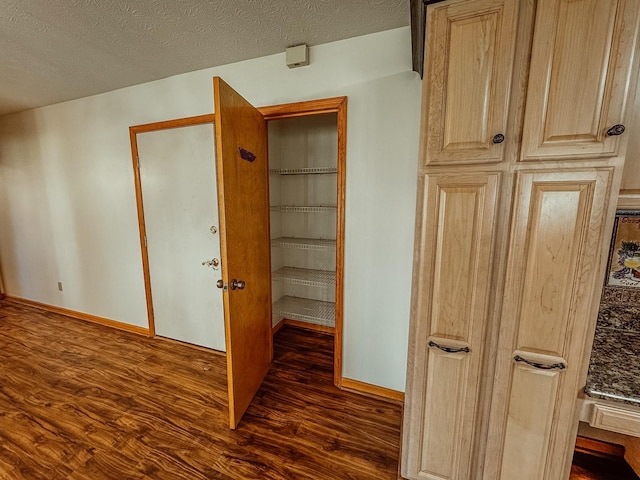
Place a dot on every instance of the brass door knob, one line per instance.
(213, 263)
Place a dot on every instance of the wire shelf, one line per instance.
(303, 209)
(303, 171)
(303, 243)
(305, 276)
(306, 310)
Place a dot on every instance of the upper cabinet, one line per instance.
(468, 67)
(631, 178)
(581, 67)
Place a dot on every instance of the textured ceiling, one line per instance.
(57, 50)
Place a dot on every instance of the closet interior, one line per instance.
(303, 188)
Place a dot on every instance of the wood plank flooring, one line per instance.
(598, 460)
(83, 401)
(597, 467)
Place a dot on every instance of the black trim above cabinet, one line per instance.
(418, 19)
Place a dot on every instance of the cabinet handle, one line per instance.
(449, 349)
(499, 138)
(541, 366)
(616, 130)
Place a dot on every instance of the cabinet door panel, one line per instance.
(528, 431)
(557, 212)
(554, 259)
(450, 313)
(469, 79)
(445, 399)
(581, 63)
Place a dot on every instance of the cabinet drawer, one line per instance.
(615, 419)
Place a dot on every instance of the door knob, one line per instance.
(214, 262)
(498, 138)
(237, 284)
(220, 283)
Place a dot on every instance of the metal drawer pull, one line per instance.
(542, 366)
(498, 138)
(616, 130)
(449, 349)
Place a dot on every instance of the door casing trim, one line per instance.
(337, 105)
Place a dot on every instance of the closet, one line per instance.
(522, 149)
(231, 244)
(303, 167)
(307, 166)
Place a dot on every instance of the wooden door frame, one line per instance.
(133, 132)
(337, 105)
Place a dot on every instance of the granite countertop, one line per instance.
(614, 369)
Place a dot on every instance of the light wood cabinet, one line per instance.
(469, 51)
(615, 418)
(554, 253)
(631, 178)
(581, 66)
(511, 238)
(458, 215)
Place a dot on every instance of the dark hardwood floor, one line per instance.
(83, 401)
(589, 466)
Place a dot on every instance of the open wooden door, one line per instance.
(243, 202)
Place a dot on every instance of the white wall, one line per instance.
(67, 203)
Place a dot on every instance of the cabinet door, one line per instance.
(468, 62)
(581, 63)
(450, 303)
(547, 321)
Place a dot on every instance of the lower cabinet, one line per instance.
(553, 262)
(458, 217)
(527, 387)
